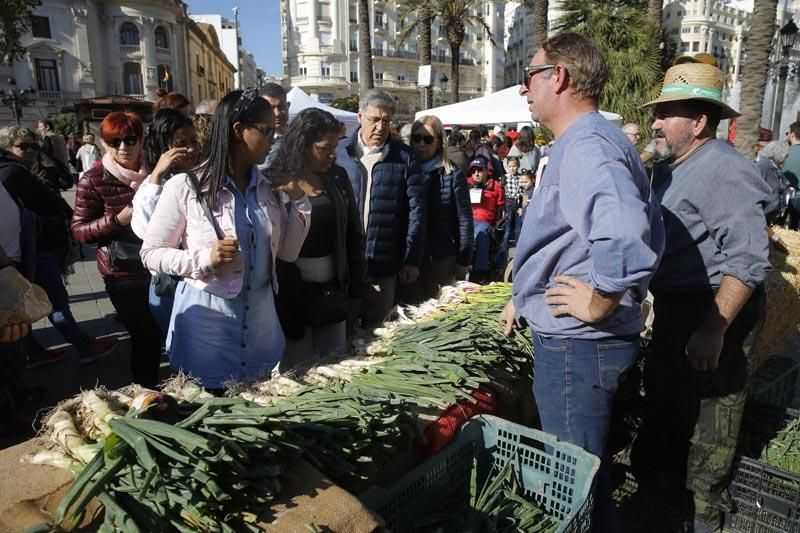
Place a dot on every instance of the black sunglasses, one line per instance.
(529, 71)
(266, 131)
(415, 138)
(130, 140)
(27, 146)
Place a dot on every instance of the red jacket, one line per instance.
(98, 199)
(493, 197)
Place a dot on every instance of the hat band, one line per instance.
(700, 92)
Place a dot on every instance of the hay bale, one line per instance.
(783, 297)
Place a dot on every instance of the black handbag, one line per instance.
(164, 285)
(123, 253)
(326, 303)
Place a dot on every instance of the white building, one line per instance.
(87, 48)
(230, 39)
(320, 51)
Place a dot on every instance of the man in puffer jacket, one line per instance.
(390, 192)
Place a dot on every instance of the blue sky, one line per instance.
(260, 21)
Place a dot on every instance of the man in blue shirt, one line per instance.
(591, 239)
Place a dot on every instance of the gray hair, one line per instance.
(629, 127)
(9, 134)
(377, 98)
(206, 107)
(776, 151)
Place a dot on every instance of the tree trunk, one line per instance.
(754, 79)
(424, 32)
(365, 76)
(540, 8)
(455, 65)
(656, 9)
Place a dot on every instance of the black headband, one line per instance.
(248, 97)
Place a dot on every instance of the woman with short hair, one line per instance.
(102, 216)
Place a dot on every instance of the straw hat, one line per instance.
(702, 57)
(694, 81)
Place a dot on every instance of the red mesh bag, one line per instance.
(440, 433)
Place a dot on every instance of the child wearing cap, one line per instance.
(488, 199)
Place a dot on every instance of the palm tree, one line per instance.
(630, 45)
(540, 8)
(421, 28)
(366, 81)
(754, 75)
(656, 10)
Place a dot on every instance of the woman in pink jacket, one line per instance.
(231, 224)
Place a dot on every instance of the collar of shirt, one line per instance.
(363, 149)
(228, 182)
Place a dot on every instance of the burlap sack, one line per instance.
(22, 302)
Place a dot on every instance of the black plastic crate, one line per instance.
(766, 499)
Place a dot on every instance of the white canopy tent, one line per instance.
(301, 100)
(502, 107)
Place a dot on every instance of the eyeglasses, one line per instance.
(266, 131)
(25, 147)
(428, 139)
(376, 120)
(131, 140)
(531, 70)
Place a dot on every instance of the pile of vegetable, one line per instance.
(783, 451)
(499, 507)
(184, 460)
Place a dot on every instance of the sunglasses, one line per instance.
(416, 138)
(266, 131)
(25, 147)
(131, 140)
(529, 71)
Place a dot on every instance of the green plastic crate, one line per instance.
(559, 476)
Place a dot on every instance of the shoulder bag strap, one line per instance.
(204, 205)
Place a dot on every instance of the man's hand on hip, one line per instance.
(575, 298)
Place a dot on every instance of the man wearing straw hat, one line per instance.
(709, 303)
(590, 241)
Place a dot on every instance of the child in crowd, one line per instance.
(513, 190)
(527, 182)
(488, 199)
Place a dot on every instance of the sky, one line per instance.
(260, 23)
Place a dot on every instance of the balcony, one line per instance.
(396, 84)
(397, 54)
(52, 97)
(129, 49)
(140, 97)
(163, 52)
(380, 27)
(378, 52)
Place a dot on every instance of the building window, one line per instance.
(695, 46)
(324, 11)
(40, 27)
(304, 71)
(354, 77)
(161, 38)
(353, 44)
(325, 70)
(47, 75)
(128, 34)
(684, 47)
(401, 77)
(379, 75)
(378, 19)
(325, 98)
(164, 78)
(686, 29)
(132, 78)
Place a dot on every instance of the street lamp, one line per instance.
(443, 79)
(788, 36)
(15, 99)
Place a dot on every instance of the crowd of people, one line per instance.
(248, 244)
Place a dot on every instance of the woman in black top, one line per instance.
(314, 291)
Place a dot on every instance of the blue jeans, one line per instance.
(483, 244)
(48, 276)
(160, 309)
(574, 385)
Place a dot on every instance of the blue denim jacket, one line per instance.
(593, 217)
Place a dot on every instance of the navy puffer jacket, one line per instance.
(395, 233)
(450, 225)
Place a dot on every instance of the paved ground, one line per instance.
(95, 314)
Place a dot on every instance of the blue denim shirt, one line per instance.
(593, 217)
